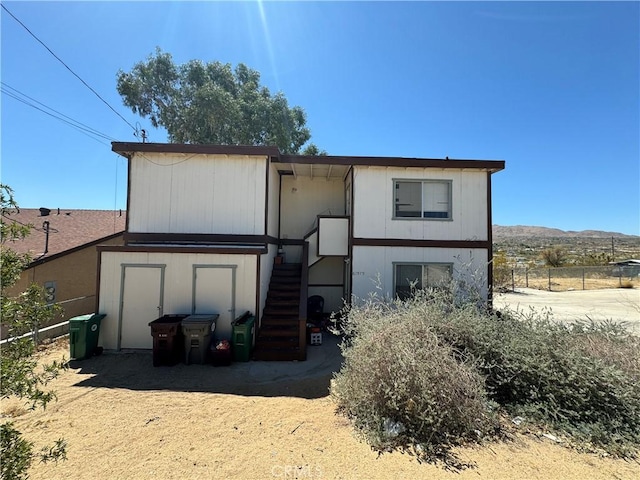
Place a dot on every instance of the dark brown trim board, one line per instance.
(279, 204)
(351, 222)
(256, 312)
(396, 242)
(490, 247)
(266, 197)
(126, 227)
(257, 250)
(97, 305)
(126, 148)
(292, 241)
(204, 238)
(490, 165)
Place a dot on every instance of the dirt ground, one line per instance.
(123, 418)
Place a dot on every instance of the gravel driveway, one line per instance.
(618, 304)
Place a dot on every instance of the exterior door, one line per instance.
(141, 299)
(214, 291)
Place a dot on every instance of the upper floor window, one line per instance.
(430, 199)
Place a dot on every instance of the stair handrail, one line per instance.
(302, 309)
(309, 233)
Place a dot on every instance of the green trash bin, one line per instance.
(83, 335)
(242, 339)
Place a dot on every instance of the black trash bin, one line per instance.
(168, 344)
(315, 308)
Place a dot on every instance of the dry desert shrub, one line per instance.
(435, 370)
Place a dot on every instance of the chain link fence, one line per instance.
(566, 278)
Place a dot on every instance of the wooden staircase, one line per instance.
(279, 334)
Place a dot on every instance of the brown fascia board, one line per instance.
(127, 148)
(46, 259)
(489, 165)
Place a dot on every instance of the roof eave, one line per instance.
(126, 149)
(487, 165)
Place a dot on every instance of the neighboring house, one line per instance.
(226, 229)
(62, 245)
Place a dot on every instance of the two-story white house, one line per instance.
(205, 224)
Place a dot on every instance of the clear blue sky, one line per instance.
(552, 88)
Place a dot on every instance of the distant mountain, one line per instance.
(504, 232)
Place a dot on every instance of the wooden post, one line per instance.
(513, 280)
(583, 279)
(549, 279)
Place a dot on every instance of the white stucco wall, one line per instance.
(373, 266)
(374, 205)
(186, 193)
(304, 198)
(178, 289)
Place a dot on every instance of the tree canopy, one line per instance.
(213, 103)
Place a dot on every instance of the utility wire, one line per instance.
(81, 129)
(15, 92)
(67, 67)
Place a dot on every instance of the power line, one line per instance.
(15, 92)
(87, 131)
(67, 67)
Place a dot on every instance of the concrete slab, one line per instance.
(618, 304)
(132, 369)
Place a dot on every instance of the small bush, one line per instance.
(626, 284)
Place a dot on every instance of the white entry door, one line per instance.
(214, 291)
(141, 299)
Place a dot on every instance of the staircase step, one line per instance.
(287, 266)
(283, 303)
(272, 321)
(290, 291)
(279, 342)
(284, 280)
(282, 310)
(279, 331)
(285, 273)
(284, 287)
(287, 295)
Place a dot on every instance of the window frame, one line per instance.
(422, 182)
(420, 264)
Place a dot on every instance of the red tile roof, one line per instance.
(68, 229)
